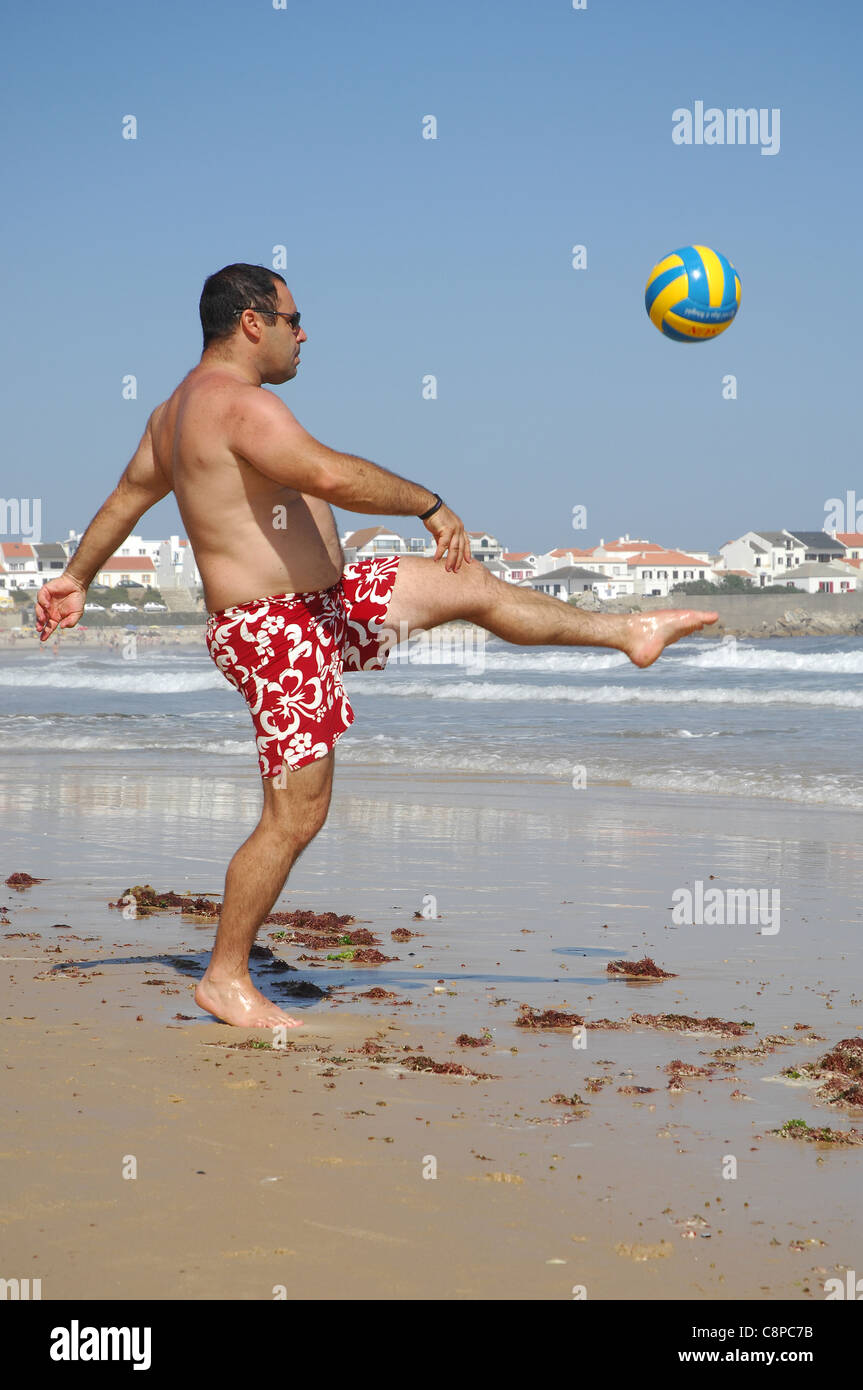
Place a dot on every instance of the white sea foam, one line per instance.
(716, 657)
(734, 657)
(109, 743)
(762, 783)
(646, 694)
(111, 678)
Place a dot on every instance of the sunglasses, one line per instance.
(293, 319)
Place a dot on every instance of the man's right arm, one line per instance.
(264, 431)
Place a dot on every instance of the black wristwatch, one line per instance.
(431, 511)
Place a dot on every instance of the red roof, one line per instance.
(657, 556)
(18, 550)
(515, 554)
(852, 538)
(131, 562)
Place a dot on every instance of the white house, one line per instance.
(21, 566)
(378, 540)
(50, 558)
(834, 577)
(766, 556)
(175, 563)
(484, 546)
(564, 581)
(657, 571)
(120, 570)
(518, 565)
(818, 547)
(556, 559)
(613, 565)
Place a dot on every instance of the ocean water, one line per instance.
(777, 720)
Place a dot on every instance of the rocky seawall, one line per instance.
(757, 615)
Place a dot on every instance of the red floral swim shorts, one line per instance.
(286, 655)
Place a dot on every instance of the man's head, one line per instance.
(244, 311)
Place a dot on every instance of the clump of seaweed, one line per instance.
(302, 920)
(370, 1048)
(674, 1023)
(560, 1099)
(321, 931)
(465, 1040)
(678, 1069)
(596, 1083)
(683, 1023)
(730, 1056)
(417, 1063)
(147, 900)
(22, 880)
(546, 1018)
(644, 969)
(846, 1058)
(402, 934)
(799, 1129)
(839, 1072)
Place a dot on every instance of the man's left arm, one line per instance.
(60, 602)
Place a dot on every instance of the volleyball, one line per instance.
(693, 294)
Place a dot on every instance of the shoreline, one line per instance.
(309, 1168)
(752, 617)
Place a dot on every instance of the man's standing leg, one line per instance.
(295, 807)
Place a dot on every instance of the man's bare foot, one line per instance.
(238, 1002)
(651, 633)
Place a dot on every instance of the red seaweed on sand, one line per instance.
(644, 969)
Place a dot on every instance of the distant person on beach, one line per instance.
(286, 616)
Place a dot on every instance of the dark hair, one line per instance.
(235, 287)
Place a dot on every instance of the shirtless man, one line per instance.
(255, 492)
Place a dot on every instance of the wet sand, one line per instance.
(260, 1168)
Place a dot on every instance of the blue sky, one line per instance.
(259, 127)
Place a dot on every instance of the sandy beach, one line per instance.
(332, 1167)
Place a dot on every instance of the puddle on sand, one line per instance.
(582, 951)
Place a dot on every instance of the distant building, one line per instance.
(766, 556)
(121, 570)
(172, 560)
(565, 581)
(484, 546)
(175, 563)
(20, 565)
(517, 565)
(853, 543)
(818, 547)
(834, 577)
(558, 558)
(50, 558)
(380, 541)
(656, 571)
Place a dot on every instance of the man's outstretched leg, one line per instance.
(291, 817)
(425, 594)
